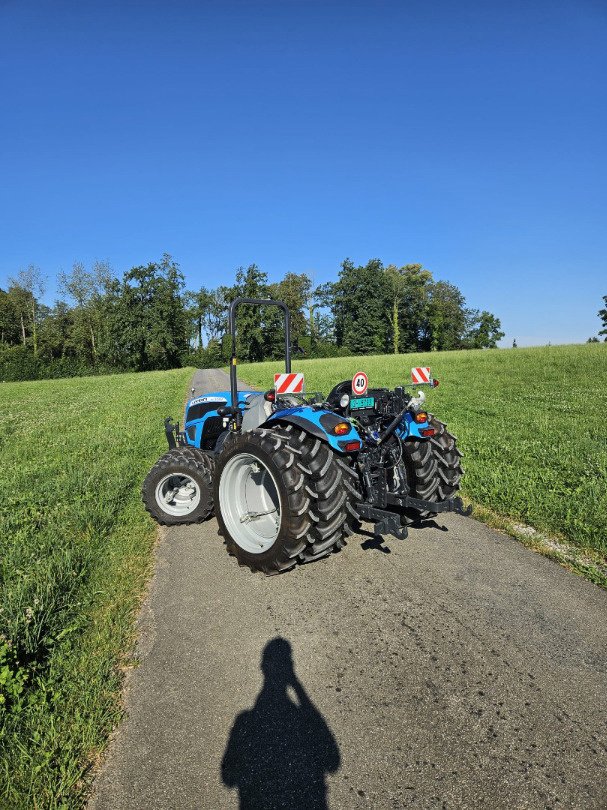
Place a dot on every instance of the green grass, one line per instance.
(75, 553)
(530, 422)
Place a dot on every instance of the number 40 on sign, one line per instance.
(360, 383)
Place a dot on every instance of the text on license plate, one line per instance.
(362, 402)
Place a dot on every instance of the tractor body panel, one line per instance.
(202, 423)
(410, 429)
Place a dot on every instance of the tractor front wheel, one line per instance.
(178, 488)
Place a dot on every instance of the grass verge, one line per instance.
(75, 554)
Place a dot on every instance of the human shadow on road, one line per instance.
(280, 750)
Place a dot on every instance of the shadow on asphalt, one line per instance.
(279, 751)
(379, 543)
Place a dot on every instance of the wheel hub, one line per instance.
(177, 494)
(249, 503)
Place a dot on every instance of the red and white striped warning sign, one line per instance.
(421, 375)
(289, 383)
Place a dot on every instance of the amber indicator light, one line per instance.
(341, 428)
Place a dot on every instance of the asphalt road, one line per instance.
(453, 669)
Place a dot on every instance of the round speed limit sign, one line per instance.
(360, 383)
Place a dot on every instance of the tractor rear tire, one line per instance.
(434, 467)
(283, 497)
(179, 487)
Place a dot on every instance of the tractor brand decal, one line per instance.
(360, 383)
(198, 400)
(289, 383)
(421, 375)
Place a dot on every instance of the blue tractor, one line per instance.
(290, 476)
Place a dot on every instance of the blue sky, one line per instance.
(468, 136)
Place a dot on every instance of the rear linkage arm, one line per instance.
(385, 522)
(450, 505)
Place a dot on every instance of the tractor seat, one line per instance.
(338, 391)
(256, 411)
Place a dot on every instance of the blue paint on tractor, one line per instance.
(200, 410)
(308, 418)
(410, 429)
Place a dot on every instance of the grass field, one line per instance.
(531, 424)
(75, 551)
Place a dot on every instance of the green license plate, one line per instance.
(363, 402)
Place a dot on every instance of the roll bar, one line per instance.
(232, 325)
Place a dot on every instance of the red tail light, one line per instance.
(427, 432)
(270, 395)
(350, 447)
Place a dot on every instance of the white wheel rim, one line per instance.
(250, 503)
(177, 494)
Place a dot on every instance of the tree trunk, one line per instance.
(395, 328)
(22, 328)
(93, 343)
(311, 311)
(34, 330)
(200, 332)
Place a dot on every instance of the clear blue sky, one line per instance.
(468, 136)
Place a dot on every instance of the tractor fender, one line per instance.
(318, 423)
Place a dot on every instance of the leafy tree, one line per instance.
(250, 283)
(23, 290)
(22, 306)
(483, 330)
(603, 317)
(57, 330)
(410, 292)
(359, 301)
(294, 290)
(199, 303)
(9, 320)
(216, 317)
(396, 284)
(147, 326)
(87, 289)
(324, 327)
(446, 317)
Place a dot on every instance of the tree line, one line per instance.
(148, 320)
